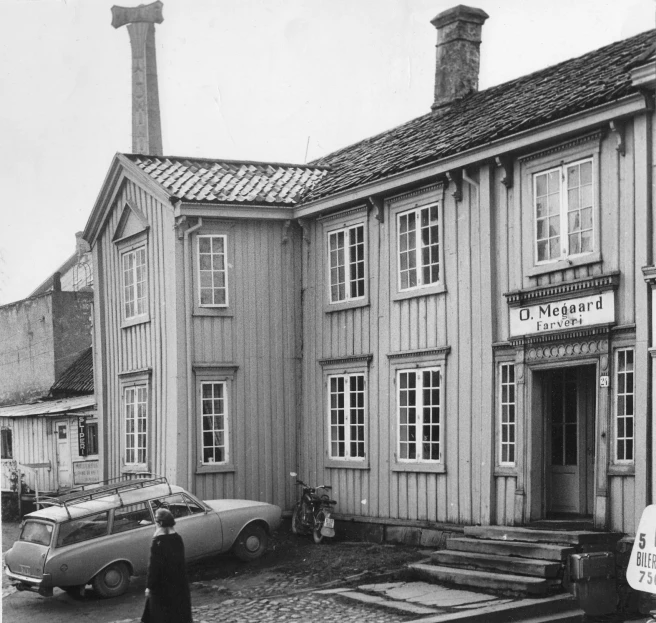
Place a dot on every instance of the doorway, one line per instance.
(63, 455)
(568, 415)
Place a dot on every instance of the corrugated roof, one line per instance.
(77, 378)
(570, 87)
(78, 404)
(228, 181)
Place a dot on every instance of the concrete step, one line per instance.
(541, 551)
(497, 564)
(511, 533)
(530, 610)
(485, 580)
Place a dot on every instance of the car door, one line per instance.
(199, 528)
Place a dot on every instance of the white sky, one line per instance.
(242, 79)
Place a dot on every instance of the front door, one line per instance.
(569, 419)
(63, 455)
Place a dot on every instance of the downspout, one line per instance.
(188, 303)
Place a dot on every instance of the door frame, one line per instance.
(585, 439)
(535, 465)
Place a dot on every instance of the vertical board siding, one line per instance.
(392, 326)
(261, 338)
(138, 347)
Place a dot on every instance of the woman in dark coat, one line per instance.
(167, 589)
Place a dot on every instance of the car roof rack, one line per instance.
(115, 486)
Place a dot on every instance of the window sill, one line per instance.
(335, 307)
(135, 321)
(215, 469)
(620, 469)
(215, 312)
(337, 464)
(584, 260)
(434, 468)
(401, 295)
(505, 470)
(135, 469)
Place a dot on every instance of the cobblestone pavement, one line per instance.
(276, 599)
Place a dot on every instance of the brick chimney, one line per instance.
(458, 53)
(146, 123)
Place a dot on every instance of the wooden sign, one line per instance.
(584, 311)
(86, 472)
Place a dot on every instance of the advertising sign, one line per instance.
(86, 472)
(584, 311)
(641, 572)
(82, 436)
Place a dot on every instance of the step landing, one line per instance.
(505, 583)
(511, 533)
(542, 551)
(497, 563)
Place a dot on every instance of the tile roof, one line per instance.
(227, 181)
(570, 87)
(77, 378)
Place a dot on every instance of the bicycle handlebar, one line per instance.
(300, 482)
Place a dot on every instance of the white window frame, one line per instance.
(419, 372)
(349, 414)
(416, 251)
(220, 271)
(560, 173)
(623, 415)
(132, 288)
(507, 414)
(140, 392)
(349, 263)
(225, 414)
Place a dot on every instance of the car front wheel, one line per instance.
(251, 543)
(113, 580)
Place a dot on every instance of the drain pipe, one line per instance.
(188, 306)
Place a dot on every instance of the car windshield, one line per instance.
(36, 532)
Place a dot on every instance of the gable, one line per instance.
(132, 222)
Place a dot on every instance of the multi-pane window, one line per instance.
(214, 422)
(136, 424)
(212, 271)
(347, 269)
(419, 247)
(419, 415)
(564, 211)
(625, 405)
(135, 295)
(508, 420)
(92, 437)
(346, 407)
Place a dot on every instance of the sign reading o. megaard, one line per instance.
(564, 315)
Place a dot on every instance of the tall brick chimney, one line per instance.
(146, 123)
(458, 53)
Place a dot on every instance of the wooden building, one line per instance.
(450, 322)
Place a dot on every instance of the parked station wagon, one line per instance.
(102, 536)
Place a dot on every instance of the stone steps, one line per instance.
(497, 563)
(486, 580)
(542, 551)
(511, 560)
